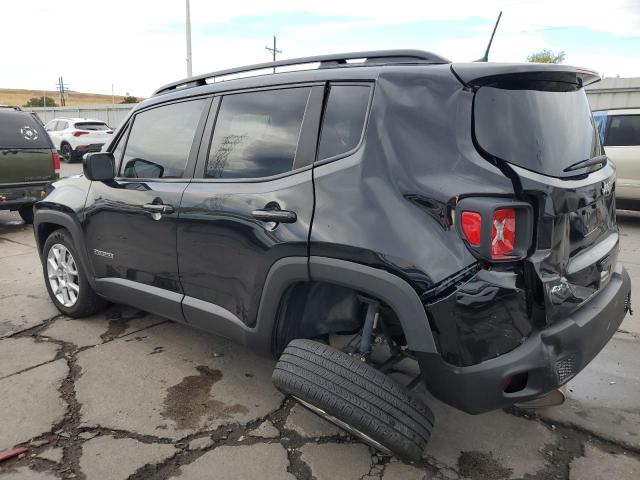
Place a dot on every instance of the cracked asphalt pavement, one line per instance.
(130, 395)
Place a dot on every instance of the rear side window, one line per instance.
(93, 126)
(256, 134)
(343, 120)
(22, 130)
(623, 131)
(161, 139)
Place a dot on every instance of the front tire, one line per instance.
(65, 279)
(356, 397)
(26, 213)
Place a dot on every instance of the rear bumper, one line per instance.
(550, 357)
(80, 150)
(12, 198)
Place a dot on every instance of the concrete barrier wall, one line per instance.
(614, 93)
(113, 115)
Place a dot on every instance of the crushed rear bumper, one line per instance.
(550, 357)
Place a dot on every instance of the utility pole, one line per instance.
(274, 50)
(189, 72)
(113, 98)
(62, 88)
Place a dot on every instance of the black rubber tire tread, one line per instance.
(381, 399)
(357, 394)
(341, 363)
(88, 302)
(26, 213)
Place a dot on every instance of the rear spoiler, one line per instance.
(481, 74)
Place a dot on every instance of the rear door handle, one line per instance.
(275, 215)
(158, 208)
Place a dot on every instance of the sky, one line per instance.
(139, 45)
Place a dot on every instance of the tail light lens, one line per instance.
(56, 161)
(503, 233)
(471, 223)
(78, 133)
(495, 229)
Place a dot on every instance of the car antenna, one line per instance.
(485, 58)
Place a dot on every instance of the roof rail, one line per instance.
(11, 107)
(326, 61)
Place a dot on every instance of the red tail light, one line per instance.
(495, 229)
(77, 133)
(56, 161)
(471, 223)
(503, 233)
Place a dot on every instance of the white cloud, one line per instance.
(139, 45)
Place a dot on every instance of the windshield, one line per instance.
(545, 129)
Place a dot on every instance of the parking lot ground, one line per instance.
(126, 394)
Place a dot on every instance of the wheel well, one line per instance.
(317, 309)
(44, 230)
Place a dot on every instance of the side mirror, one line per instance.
(99, 166)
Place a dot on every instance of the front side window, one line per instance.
(343, 120)
(256, 134)
(160, 140)
(624, 131)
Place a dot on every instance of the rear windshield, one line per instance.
(541, 130)
(22, 130)
(92, 126)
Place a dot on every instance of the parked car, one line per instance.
(620, 134)
(73, 137)
(28, 161)
(347, 217)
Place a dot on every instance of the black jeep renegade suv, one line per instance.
(461, 215)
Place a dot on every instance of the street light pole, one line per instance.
(189, 59)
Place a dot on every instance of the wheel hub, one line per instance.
(62, 273)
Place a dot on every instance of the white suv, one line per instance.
(73, 137)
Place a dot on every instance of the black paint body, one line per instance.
(378, 219)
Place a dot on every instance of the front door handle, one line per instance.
(275, 215)
(158, 208)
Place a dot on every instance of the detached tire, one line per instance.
(356, 397)
(65, 278)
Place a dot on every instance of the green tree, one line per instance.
(129, 99)
(39, 102)
(546, 56)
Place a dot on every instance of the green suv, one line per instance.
(28, 161)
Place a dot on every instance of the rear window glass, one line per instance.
(544, 131)
(22, 130)
(343, 120)
(623, 131)
(92, 126)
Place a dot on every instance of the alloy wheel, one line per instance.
(62, 272)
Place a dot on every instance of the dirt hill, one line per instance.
(11, 96)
